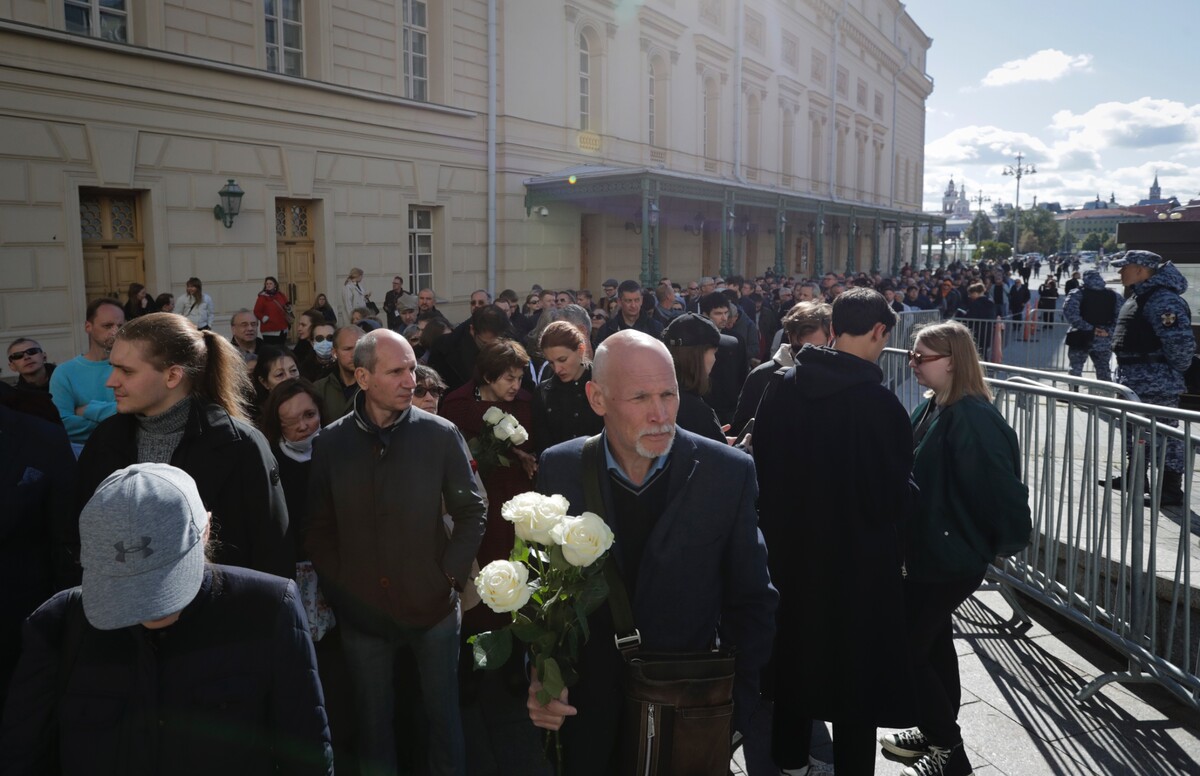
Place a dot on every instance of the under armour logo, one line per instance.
(142, 549)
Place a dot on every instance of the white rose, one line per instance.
(503, 585)
(519, 436)
(511, 419)
(533, 515)
(503, 430)
(583, 538)
(493, 415)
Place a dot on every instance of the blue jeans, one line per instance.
(370, 661)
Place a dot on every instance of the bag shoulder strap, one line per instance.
(626, 637)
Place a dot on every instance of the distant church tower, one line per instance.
(948, 197)
(1155, 191)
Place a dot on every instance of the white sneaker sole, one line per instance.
(900, 751)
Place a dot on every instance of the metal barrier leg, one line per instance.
(1133, 675)
(994, 581)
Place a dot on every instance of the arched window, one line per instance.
(788, 147)
(585, 85)
(753, 123)
(712, 114)
(650, 108)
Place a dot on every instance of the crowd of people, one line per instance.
(171, 475)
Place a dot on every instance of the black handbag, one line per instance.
(677, 716)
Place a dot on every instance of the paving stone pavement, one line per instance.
(1019, 714)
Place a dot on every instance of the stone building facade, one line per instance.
(744, 134)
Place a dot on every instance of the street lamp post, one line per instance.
(1018, 171)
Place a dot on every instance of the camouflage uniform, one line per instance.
(1152, 364)
(1100, 349)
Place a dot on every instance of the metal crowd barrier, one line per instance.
(902, 332)
(1034, 342)
(1100, 556)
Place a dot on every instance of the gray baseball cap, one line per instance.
(1143, 258)
(141, 546)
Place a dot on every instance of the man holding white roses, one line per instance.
(687, 545)
(378, 480)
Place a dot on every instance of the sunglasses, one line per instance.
(420, 391)
(921, 358)
(322, 338)
(20, 354)
(598, 317)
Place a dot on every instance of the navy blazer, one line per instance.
(703, 574)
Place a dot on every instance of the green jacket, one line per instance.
(972, 505)
(334, 403)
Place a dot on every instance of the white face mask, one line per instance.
(323, 349)
(300, 450)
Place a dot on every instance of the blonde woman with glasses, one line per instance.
(972, 507)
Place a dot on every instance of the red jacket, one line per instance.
(271, 311)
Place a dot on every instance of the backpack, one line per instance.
(1095, 307)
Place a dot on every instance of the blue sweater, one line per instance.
(80, 383)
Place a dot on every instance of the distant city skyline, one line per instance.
(1096, 95)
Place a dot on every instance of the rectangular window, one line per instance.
(104, 19)
(415, 38)
(843, 82)
(861, 95)
(818, 67)
(878, 105)
(284, 36)
(420, 247)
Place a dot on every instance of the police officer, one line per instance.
(1154, 346)
(1092, 311)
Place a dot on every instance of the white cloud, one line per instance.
(1144, 123)
(1045, 65)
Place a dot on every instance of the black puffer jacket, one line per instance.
(234, 471)
(231, 688)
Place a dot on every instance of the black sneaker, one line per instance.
(941, 762)
(905, 743)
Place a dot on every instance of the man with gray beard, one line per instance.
(688, 548)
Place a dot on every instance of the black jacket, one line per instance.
(37, 506)
(696, 416)
(725, 381)
(234, 471)
(453, 356)
(836, 548)
(645, 324)
(230, 688)
(561, 411)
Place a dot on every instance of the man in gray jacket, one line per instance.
(378, 481)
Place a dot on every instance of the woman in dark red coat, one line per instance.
(499, 368)
(497, 731)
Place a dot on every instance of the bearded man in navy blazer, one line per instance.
(687, 544)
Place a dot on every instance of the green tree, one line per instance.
(993, 250)
(1110, 245)
(980, 228)
(1093, 242)
(1039, 222)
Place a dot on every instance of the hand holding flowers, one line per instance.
(501, 433)
(551, 582)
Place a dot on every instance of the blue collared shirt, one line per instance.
(611, 462)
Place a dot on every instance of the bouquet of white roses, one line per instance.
(551, 582)
(501, 433)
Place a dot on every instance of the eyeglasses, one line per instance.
(921, 358)
(20, 354)
(421, 390)
(322, 338)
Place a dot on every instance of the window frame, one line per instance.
(585, 81)
(275, 21)
(409, 31)
(95, 15)
(417, 279)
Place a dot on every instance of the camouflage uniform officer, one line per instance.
(1154, 346)
(1092, 309)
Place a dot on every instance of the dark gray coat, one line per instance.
(375, 531)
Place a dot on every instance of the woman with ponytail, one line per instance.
(181, 400)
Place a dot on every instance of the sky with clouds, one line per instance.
(1097, 95)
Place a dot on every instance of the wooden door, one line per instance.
(295, 253)
(108, 270)
(113, 255)
(297, 274)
